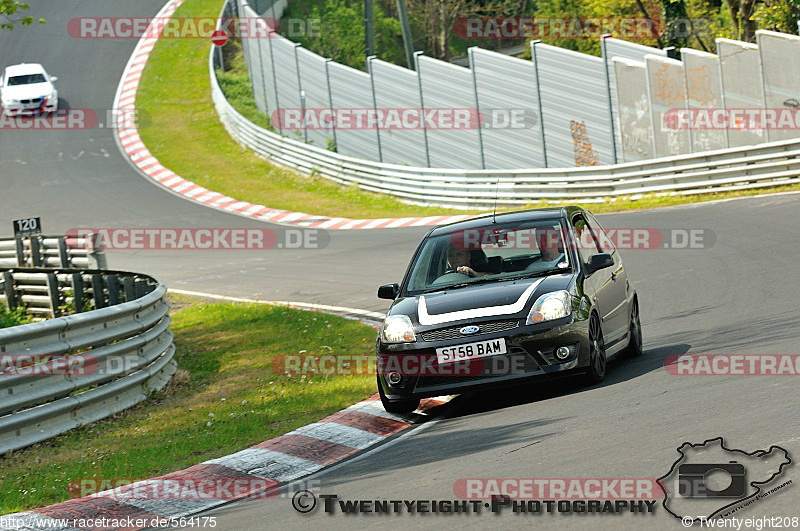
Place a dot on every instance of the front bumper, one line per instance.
(530, 355)
(31, 109)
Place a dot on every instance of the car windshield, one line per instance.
(27, 79)
(491, 253)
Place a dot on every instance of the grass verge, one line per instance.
(224, 354)
(186, 135)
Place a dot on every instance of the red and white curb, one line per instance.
(280, 460)
(132, 146)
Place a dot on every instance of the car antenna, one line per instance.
(496, 191)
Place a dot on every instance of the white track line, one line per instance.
(322, 307)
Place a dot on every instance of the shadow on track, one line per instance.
(619, 370)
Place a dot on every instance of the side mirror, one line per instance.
(600, 261)
(388, 291)
(53, 79)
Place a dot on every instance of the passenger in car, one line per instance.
(550, 245)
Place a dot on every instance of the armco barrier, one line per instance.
(117, 353)
(51, 251)
(762, 165)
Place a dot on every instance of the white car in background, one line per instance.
(28, 89)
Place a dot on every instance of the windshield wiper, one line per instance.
(535, 274)
(478, 280)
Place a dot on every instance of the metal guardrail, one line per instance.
(51, 251)
(762, 165)
(62, 373)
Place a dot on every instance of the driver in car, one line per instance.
(460, 261)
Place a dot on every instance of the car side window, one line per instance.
(606, 245)
(586, 239)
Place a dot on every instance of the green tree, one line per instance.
(436, 19)
(11, 14)
(742, 21)
(341, 34)
(778, 15)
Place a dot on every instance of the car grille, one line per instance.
(530, 366)
(454, 332)
(32, 100)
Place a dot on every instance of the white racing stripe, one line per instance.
(472, 313)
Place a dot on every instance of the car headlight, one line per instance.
(553, 305)
(398, 329)
(10, 101)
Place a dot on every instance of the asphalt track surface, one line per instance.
(739, 295)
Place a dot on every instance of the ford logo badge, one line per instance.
(469, 329)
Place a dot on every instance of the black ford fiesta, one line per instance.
(503, 299)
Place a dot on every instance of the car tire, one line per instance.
(597, 352)
(396, 406)
(634, 348)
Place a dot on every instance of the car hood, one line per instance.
(32, 90)
(479, 302)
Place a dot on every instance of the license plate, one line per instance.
(467, 351)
